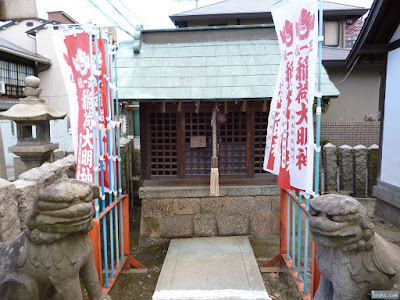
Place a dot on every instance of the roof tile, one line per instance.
(202, 70)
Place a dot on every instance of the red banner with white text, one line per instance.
(77, 57)
(289, 151)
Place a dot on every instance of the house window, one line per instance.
(13, 75)
(331, 35)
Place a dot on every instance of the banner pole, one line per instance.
(100, 128)
(94, 127)
(109, 156)
(315, 272)
(114, 157)
(119, 154)
(318, 110)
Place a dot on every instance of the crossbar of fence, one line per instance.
(296, 200)
(294, 250)
(110, 235)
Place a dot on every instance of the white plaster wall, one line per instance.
(16, 34)
(51, 80)
(9, 139)
(396, 35)
(390, 167)
(59, 133)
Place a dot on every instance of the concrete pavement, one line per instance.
(210, 268)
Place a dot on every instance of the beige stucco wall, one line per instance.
(16, 34)
(253, 21)
(52, 83)
(208, 22)
(359, 94)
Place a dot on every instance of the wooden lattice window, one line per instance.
(260, 132)
(177, 143)
(232, 148)
(163, 131)
(198, 160)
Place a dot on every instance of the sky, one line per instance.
(153, 14)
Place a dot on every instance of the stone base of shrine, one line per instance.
(175, 212)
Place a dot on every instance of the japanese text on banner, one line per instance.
(77, 58)
(289, 151)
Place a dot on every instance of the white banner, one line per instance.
(289, 151)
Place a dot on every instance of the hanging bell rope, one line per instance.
(226, 107)
(197, 109)
(214, 180)
(163, 107)
(179, 107)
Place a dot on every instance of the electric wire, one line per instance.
(117, 10)
(109, 18)
(348, 73)
(131, 12)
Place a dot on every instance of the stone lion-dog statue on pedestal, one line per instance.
(353, 260)
(45, 261)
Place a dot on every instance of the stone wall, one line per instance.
(189, 211)
(17, 198)
(129, 170)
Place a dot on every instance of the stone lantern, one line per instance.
(33, 117)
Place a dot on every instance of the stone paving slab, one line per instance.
(210, 268)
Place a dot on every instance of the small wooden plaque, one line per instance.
(198, 141)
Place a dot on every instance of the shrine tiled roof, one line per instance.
(204, 64)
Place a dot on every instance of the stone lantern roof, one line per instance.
(32, 108)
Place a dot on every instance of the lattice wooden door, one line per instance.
(197, 160)
(232, 144)
(231, 138)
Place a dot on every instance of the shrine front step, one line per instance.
(210, 268)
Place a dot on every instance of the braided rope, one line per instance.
(214, 131)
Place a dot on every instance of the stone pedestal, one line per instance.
(169, 212)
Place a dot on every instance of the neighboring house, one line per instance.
(26, 48)
(353, 29)
(379, 43)
(352, 117)
(15, 64)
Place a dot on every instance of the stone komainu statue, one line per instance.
(353, 260)
(45, 261)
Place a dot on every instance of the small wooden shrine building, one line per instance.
(178, 76)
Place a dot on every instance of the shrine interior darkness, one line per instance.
(176, 145)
